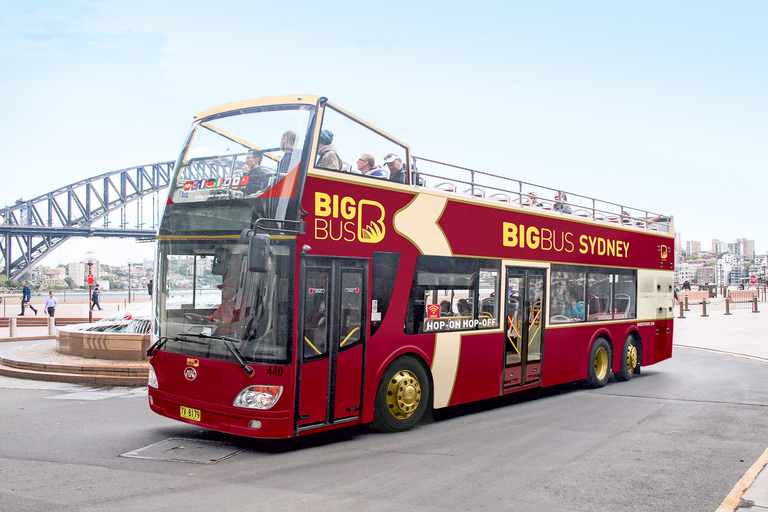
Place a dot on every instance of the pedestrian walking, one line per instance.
(51, 303)
(26, 298)
(95, 298)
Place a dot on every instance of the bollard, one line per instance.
(12, 327)
(754, 305)
(51, 326)
(704, 307)
(686, 303)
(682, 315)
(727, 306)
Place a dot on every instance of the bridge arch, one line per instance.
(31, 229)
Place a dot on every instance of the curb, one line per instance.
(94, 375)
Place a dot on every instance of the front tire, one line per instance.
(403, 396)
(630, 360)
(599, 367)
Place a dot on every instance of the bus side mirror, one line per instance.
(258, 251)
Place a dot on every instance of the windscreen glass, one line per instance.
(206, 295)
(237, 167)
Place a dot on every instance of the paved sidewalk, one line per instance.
(741, 334)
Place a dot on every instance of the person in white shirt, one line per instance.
(51, 303)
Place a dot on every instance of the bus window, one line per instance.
(453, 294)
(599, 295)
(351, 140)
(316, 313)
(567, 294)
(351, 309)
(489, 306)
(624, 296)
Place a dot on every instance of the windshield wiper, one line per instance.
(227, 341)
(157, 345)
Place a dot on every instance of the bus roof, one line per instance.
(291, 99)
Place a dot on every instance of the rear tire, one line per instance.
(599, 368)
(403, 396)
(630, 359)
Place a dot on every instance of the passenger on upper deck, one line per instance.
(258, 177)
(287, 146)
(365, 164)
(327, 158)
(560, 206)
(532, 200)
(397, 172)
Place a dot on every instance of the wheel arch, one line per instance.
(414, 359)
(411, 350)
(606, 335)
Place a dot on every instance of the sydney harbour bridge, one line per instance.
(108, 205)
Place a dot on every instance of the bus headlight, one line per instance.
(152, 382)
(258, 397)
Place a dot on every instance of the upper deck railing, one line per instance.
(462, 180)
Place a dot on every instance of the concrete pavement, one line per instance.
(743, 333)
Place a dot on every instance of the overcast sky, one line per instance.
(660, 105)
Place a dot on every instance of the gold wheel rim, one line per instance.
(403, 394)
(631, 356)
(601, 363)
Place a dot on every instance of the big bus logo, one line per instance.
(343, 218)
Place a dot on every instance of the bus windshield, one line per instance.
(237, 167)
(208, 296)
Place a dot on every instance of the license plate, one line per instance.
(190, 414)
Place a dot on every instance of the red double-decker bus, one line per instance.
(304, 284)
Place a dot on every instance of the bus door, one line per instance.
(524, 325)
(331, 347)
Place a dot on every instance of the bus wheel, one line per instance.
(630, 360)
(599, 367)
(403, 395)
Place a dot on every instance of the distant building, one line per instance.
(705, 275)
(78, 272)
(685, 272)
(737, 274)
(718, 245)
(748, 248)
(692, 247)
(735, 248)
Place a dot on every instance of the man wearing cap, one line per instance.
(396, 169)
(225, 313)
(326, 153)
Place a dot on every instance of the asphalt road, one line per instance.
(677, 438)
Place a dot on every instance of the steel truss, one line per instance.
(38, 226)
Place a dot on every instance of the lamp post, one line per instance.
(129, 281)
(90, 259)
